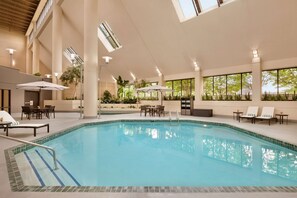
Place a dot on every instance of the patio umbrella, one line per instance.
(41, 85)
(159, 88)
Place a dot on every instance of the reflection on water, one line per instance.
(279, 162)
(164, 135)
(227, 150)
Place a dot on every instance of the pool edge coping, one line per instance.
(17, 184)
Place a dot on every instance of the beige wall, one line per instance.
(9, 78)
(69, 93)
(15, 41)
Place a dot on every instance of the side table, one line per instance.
(236, 114)
(281, 117)
(5, 125)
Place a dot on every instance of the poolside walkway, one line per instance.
(63, 121)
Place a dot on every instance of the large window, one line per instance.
(107, 37)
(208, 4)
(187, 9)
(279, 84)
(184, 88)
(228, 87)
(149, 95)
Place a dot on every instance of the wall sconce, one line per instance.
(48, 75)
(196, 67)
(133, 76)
(11, 51)
(256, 57)
(255, 53)
(115, 80)
(158, 71)
(106, 59)
(56, 74)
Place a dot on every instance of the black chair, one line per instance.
(50, 110)
(145, 109)
(27, 111)
(160, 110)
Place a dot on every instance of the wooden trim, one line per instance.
(197, 6)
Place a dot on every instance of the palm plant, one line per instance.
(122, 84)
(71, 76)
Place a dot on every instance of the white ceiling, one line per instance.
(152, 35)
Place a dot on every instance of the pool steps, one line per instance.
(35, 166)
(170, 116)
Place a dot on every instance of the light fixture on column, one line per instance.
(106, 59)
(256, 57)
(11, 51)
(113, 78)
(133, 76)
(158, 71)
(196, 67)
(56, 74)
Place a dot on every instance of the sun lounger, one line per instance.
(267, 114)
(15, 124)
(251, 113)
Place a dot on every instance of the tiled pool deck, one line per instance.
(16, 182)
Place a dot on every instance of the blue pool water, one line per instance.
(164, 154)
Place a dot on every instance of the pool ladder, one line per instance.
(35, 144)
(170, 116)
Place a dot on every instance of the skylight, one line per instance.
(187, 9)
(72, 56)
(208, 4)
(107, 37)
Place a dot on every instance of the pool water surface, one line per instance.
(171, 154)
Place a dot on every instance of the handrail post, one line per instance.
(55, 159)
(35, 144)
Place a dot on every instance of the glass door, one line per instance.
(5, 102)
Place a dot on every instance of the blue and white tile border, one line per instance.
(17, 185)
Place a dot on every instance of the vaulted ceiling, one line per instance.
(16, 15)
(152, 35)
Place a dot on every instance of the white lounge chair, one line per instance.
(15, 124)
(251, 113)
(267, 114)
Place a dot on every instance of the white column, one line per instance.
(57, 47)
(90, 58)
(198, 86)
(161, 82)
(36, 48)
(28, 57)
(257, 82)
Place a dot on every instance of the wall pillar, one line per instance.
(90, 59)
(36, 48)
(161, 82)
(57, 51)
(28, 57)
(198, 86)
(257, 82)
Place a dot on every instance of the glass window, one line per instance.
(186, 88)
(176, 88)
(269, 82)
(208, 85)
(168, 84)
(220, 85)
(107, 37)
(234, 84)
(247, 80)
(208, 4)
(288, 81)
(193, 87)
(187, 8)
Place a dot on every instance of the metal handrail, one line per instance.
(34, 144)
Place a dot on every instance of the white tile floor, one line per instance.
(284, 132)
